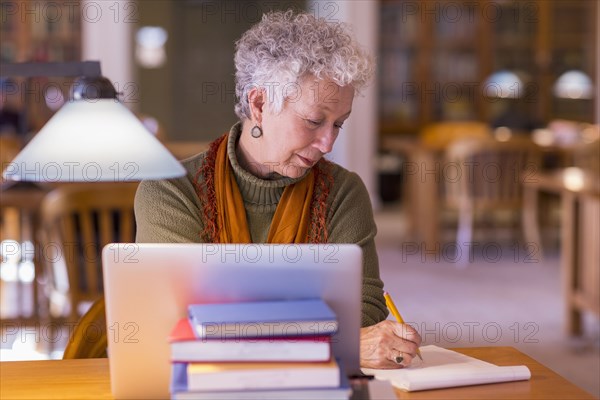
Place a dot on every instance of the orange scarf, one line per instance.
(299, 217)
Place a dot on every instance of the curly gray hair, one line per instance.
(285, 47)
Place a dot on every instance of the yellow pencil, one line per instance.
(392, 307)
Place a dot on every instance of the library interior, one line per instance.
(477, 141)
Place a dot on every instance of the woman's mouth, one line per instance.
(306, 161)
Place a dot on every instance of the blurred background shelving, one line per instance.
(41, 31)
(435, 56)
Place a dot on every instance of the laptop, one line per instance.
(149, 286)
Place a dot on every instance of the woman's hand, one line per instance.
(383, 343)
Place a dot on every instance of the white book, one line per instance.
(245, 376)
(443, 368)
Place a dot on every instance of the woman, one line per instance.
(267, 182)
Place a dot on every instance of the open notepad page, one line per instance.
(444, 368)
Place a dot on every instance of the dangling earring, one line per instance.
(256, 132)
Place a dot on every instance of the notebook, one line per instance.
(148, 288)
(443, 368)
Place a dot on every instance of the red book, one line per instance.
(187, 347)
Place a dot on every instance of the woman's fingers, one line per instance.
(407, 332)
(388, 345)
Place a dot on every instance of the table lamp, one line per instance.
(503, 84)
(573, 84)
(92, 138)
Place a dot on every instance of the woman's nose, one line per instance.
(326, 140)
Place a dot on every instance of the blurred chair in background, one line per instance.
(78, 220)
(425, 188)
(81, 344)
(486, 175)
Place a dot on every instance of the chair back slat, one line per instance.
(107, 226)
(86, 254)
(126, 226)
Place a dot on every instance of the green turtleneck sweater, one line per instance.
(169, 211)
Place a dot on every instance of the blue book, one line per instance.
(180, 390)
(283, 318)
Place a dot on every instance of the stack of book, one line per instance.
(256, 350)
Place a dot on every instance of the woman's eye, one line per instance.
(313, 122)
(339, 126)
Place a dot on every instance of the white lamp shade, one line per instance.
(504, 84)
(93, 141)
(574, 84)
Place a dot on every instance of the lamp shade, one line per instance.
(573, 84)
(93, 140)
(504, 84)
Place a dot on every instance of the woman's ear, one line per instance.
(256, 101)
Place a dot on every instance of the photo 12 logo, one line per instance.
(459, 253)
(255, 253)
(58, 12)
(71, 171)
(469, 11)
(63, 332)
(477, 332)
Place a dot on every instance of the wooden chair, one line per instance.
(89, 338)
(77, 221)
(486, 175)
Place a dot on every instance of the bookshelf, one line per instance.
(36, 30)
(435, 56)
(573, 47)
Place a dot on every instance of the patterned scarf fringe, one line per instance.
(323, 184)
(205, 188)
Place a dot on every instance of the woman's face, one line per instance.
(305, 129)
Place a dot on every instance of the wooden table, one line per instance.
(89, 379)
(579, 192)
